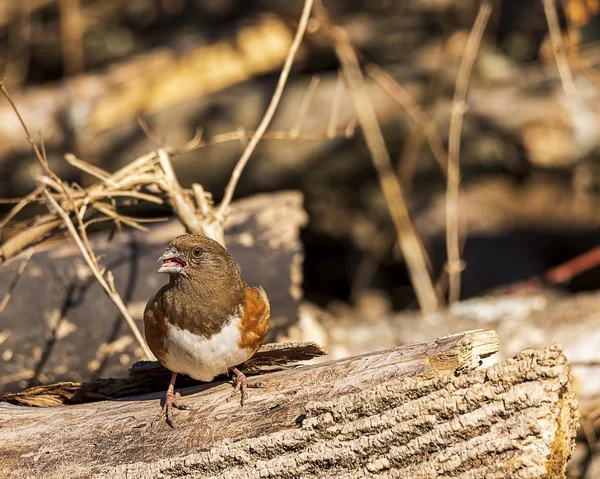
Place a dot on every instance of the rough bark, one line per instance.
(414, 411)
(60, 326)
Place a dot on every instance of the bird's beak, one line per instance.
(172, 263)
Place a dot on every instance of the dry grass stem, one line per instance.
(454, 265)
(71, 36)
(127, 182)
(562, 64)
(31, 197)
(32, 235)
(335, 108)
(264, 124)
(20, 270)
(412, 249)
(414, 111)
(92, 170)
(107, 284)
(182, 203)
(306, 102)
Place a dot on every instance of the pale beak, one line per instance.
(172, 263)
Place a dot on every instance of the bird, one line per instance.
(206, 320)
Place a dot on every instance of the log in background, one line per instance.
(59, 324)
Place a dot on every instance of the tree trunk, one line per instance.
(420, 410)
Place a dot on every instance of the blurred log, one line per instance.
(58, 325)
(92, 103)
(585, 460)
(415, 411)
(496, 205)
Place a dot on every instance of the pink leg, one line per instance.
(242, 381)
(171, 399)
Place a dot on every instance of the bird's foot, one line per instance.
(241, 381)
(170, 402)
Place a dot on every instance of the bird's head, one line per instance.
(195, 255)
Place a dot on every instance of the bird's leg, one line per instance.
(170, 401)
(242, 381)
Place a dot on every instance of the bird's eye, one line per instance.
(197, 251)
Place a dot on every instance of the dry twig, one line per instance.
(454, 264)
(15, 281)
(71, 33)
(557, 46)
(416, 113)
(306, 101)
(81, 239)
(412, 249)
(264, 124)
(108, 283)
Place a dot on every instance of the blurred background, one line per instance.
(83, 71)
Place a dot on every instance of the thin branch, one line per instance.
(92, 170)
(180, 202)
(454, 264)
(71, 36)
(567, 271)
(335, 108)
(21, 204)
(412, 249)
(15, 281)
(562, 64)
(306, 101)
(264, 124)
(414, 111)
(109, 286)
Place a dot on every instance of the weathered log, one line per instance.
(60, 326)
(414, 411)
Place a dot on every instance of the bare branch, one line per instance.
(15, 281)
(264, 124)
(557, 46)
(412, 249)
(71, 36)
(335, 108)
(407, 102)
(180, 202)
(92, 170)
(454, 264)
(21, 204)
(306, 101)
(109, 286)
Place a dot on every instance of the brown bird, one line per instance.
(206, 320)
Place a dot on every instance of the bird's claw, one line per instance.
(240, 381)
(170, 402)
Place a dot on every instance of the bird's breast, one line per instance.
(200, 357)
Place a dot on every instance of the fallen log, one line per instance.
(421, 410)
(59, 325)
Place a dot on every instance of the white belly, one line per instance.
(202, 358)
